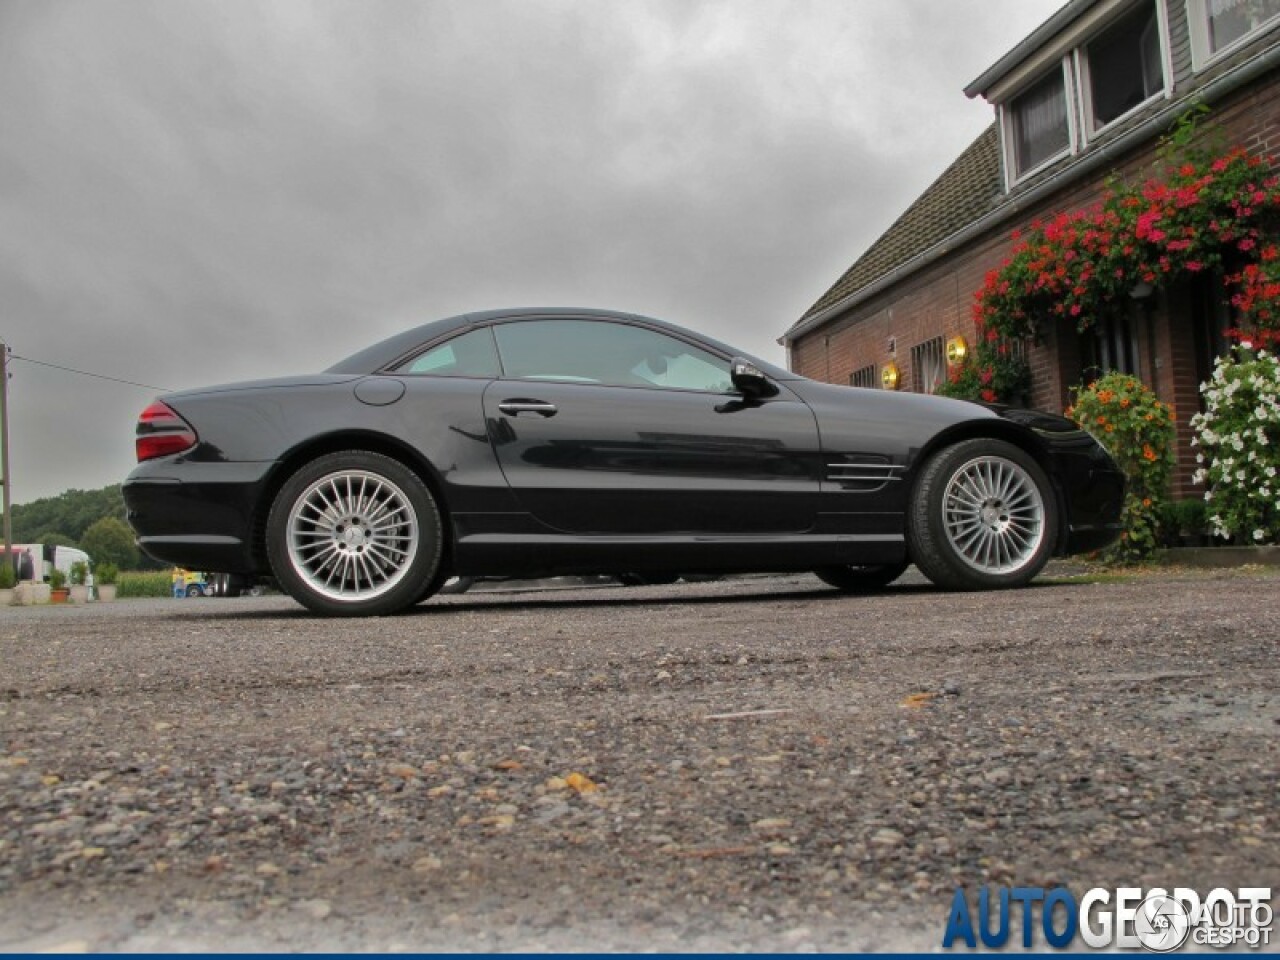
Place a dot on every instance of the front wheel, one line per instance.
(983, 515)
(861, 579)
(354, 534)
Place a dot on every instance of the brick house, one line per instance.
(1086, 95)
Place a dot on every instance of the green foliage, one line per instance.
(106, 573)
(50, 537)
(1239, 438)
(149, 583)
(1137, 430)
(1183, 518)
(7, 577)
(69, 514)
(990, 372)
(57, 579)
(79, 573)
(110, 540)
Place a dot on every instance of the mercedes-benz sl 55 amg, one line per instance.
(542, 442)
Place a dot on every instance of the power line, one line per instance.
(86, 373)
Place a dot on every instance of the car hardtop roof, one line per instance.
(376, 357)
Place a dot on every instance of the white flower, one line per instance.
(1259, 534)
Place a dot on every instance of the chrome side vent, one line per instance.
(863, 472)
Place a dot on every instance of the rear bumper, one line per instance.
(203, 516)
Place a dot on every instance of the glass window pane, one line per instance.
(584, 351)
(470, 355)
(1040, 128)
(1229, 20)
(1125, 66)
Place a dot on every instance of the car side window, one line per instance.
(617, 354)
(470, 355)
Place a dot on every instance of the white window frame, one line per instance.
(1012, 175)
(1198, 21)
(1087, 133)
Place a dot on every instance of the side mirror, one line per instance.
(750, 380)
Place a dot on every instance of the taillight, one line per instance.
(162, 432)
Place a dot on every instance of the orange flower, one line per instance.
(1110, 428)
(1148, 454)
(1146, 501)
(1124, 404)
(1101, 421)
(1104, 396)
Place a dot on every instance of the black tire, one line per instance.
(861, 579)
(457, 585)
(983, 516)
(373, 547)
(195, 591)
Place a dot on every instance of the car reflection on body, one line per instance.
(543, 442)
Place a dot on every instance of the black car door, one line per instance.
(609, 427)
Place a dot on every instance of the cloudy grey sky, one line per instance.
(196, 192)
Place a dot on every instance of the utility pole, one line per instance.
(5, 477)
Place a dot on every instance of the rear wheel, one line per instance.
(354, 534)
(861, 579)
(983, 516)
(195, 590)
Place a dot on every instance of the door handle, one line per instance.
(513, 408)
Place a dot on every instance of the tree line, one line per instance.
(92, 520)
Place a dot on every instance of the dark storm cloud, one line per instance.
(198, 192)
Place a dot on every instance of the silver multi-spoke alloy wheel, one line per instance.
(352, 535)
(994, 515)
(355, 534)
(983, 515)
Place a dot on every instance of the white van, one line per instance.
(36, 561)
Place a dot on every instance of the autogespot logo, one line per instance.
(1128, 917)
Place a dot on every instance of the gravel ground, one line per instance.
(757, 763)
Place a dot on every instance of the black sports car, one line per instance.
(539, 442)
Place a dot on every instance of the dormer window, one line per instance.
(1123, 67)
(1218, 25)
(1039, 128)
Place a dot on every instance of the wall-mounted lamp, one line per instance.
(957, 350)
(890, 376)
